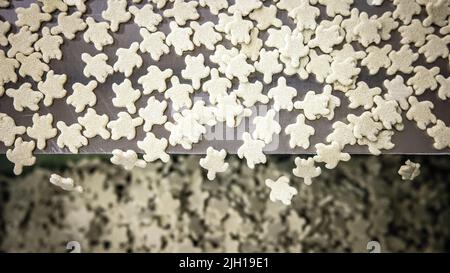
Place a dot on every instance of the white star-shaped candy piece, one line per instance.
(306, 169)
(280, 190)
(266, 126)
(127, 159)
(214, 162)
(154, 148)
(252, 150)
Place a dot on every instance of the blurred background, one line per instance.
(174, 208)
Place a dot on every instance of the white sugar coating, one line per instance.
(440, 134)
(365, 126)
(414, 33)
(182, 11)
(362, 96)
(304, 15)
(180, 38)
(252, 151)
(179, 94)
(32, 66)
(127, 159)
(334, 7)
(349, 25)
(7, 70)
(204, 34)
(266, 17)
(70, 137)
(398, 91)
(330, 154)
(94, 124)
(251, 93)
(217, 86)
(383, 142)
(186, 129)
(423, 79)
(306, 169)
(79, 4)
(154, 148)
(124, 126)
(409, 171)
(25, 97)
(299, 133)
(402, 60)
(205, 114)
(314, 105)
(42, 130)
(146, 17)
(4, 29)
(228, 108)
(420, 112)
(319, 65)
(69, 25)
(444, 89)
(239, 29)
(195, 70)
(282, 95)
(367, 30)
(126, 96)
(49, 45)
(96, 66)
(244, 7)
(238, 68)
(82, 96)
(214, 162)
(52, 87)
(31, 17)
(343, 71)
(438, 12)
(215, 6)
(405, 10)
(21, 155)
(387, 112)
(64, 183)
(50, 6)
(342, 134)
(116, 13)
(435, 47)
(326, 38)
(9, 130)
(153, 43)
(388, 24)
(268, 64)
(252, 49)
(377, 58)
(155, 79)
(293, 48)
(128, 59)
(280, 190)
(21, 42)
(97, 33)
(153, 113)
(266, 126)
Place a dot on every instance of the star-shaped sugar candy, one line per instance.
(179, 94)
(304, 16)
(239, 68)
(280, 190)
(42, 130)
(266, 126)
(25, 97)
(97, 33)
(50, 6)
(145, 17)
(266, 17)
(155, 79)
(405, 10)
(82, 96)
(251, 93)
(342, 134)
(128, 59)
(153, 113)
(330, 154)
(127, 159)
(306, 169)
(124, 126)
(179, 38)
(398, 91)
(182, 11)
(268, 64)
(424, 79)
(205, 34)
(53, 87)
(31, 17)
(94, 124)
(7, 70)
(441, 135)
(21, 155)
(66, 184)
(70, 137)
(387, 112)
(32, 66)
(69, 25)
(383, 142)
(126, 96)
(153, 43)
(9, 130)
(299, 133)
(21, 42)
(402, 60)
(313, 105)
(154, 148)
(282, 95)
(251, 50)
(444, 89)
(343, 71)
(195, 70)
(435, 47)
(293, 48)
(49, 45)
(116, 12)
(228, 109)
(409, 171)
(214, 162)
(362, 95)
(214, 5)
(186, 129)
(420, 112)
(252, 150)
(367, 30)
(377, 58)
(239, 29)
(244, 7)
(217, 86)
(414, 33)
(96, 66)
(319, 65)
(365, 126)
